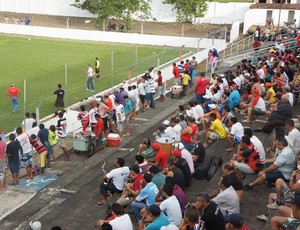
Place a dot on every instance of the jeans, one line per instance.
(199, 98)
(188, 145)
(90, 83)
(136, 208)
(152, 105)
(14, 103)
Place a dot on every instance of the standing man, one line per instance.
(120, 114)
(99, 131)
(62, 134)
(12, 151)
(160, 86)
(59, 102)
(13, 92)
(89, 82)
(97, 66)
(200, 88)
(176, 74)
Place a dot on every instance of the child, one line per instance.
(185, 81)
(52, 141)
(41, 149)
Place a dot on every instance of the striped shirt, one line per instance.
(38, 145)
(152, 85)
(181, 197)
(286, 161)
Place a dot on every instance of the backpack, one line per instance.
(202, 170)
(215, 163)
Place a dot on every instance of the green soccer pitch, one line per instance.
(42, 63)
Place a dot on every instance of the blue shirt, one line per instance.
(43, 135)
(148, 193)
(127, 107)
(159, 179)
(233, 99)
(162, 220)
(206, 107)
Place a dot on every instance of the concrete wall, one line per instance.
(108, 36)
(259, 16)
(235, 29)
(217, 13)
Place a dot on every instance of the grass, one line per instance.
(42, 63)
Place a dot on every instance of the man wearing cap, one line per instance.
(270, 93)
(160, 158)
(145, 198)
(183, 166)
(13, 92)
(234, 98)
(158, 219)
(131, 190)
(257, 107)
(200, 87)
(235, 222)
(169, 131)
(185, 154)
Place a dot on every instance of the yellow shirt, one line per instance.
(52, 138)
(218, 128)
(273, 94)
(185, 79)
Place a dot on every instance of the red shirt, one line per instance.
(13, 92)
(161, 158)
(188, 136)
(136, 182)
(186, 66)
(298, 41)
(38, 145)
(201, 84)
(2, 150)
(176, 72)
(250, 157)
(159, 81)
(109, 104)
(84, 117)
(99, 127)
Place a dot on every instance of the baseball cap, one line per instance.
(98, 99)
(178, 145)
(166, 123)
(207, 96)
(176, 152)
(135, 168)
(255, 92)
(235, 219)
(155, 169)
(35, 225)
(212, 106)
(234, 86)
(155, 146)
(154, 209)
(267, 84)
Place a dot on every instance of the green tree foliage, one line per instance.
(119, 9)
(187, 9)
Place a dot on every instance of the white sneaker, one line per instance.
(262, 217)
(87, 89)
(274, 205)
(92, 90)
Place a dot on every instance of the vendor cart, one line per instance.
(84, 142)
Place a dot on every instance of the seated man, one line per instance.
(235, 222)
(157, 177)
(131, 190)
(281, 168)
(190, 219)
(119, 175)
(257, 107)
(160, 157)
(156, 218)
(294, 136)
(145, 198)
(227, 199)
(247, 157)
(235, 135)
(144, 166)
(216, 130)
(198, 152)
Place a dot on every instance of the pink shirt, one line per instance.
(2, 150)
(102, 110)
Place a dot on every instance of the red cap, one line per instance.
(234, 86)
(255, 92)
(176, 152)
(155, 146)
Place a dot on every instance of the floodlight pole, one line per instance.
(68, 23)
(66, 85)
(24, 102)
(112, 69)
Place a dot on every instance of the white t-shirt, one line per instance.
(90, 72)
(172, 208)
(27, 123)
(92, 114)
(237, 82)
(121, 222)
(25, 143)
(237, 129)
(197, 112)
(177, 129)
(170, 132)
(291, 98)
(146, 86)
(261, 105)
(112, 98)
(261, 73)
(294, 136)
(228, 200)
(120, 110)
(185, 154)
(259, 147)
(141, 89)
(225, 82)
(119, 176)
(242, 79)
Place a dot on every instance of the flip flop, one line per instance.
(100, 203)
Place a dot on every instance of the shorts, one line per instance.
(148, 96)
(43, 158)
(105, 122)
(14, 167)
(286, 193)
(243, 168)
(257, 111)
(1, 176)
(177, 81)
(120, 125)
(2, 166)
(110, 115)
(273, 176)
(26, 160)
(97, 70)
(61, 142)
(161, 90)
(99, 142)
(59, 103)
(214, 136)
(236, 139)
(142, 97)
(127, 119)
(137, 106)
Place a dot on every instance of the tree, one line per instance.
(187, 9)
(120, 9)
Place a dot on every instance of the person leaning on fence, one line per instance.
(41, 149)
